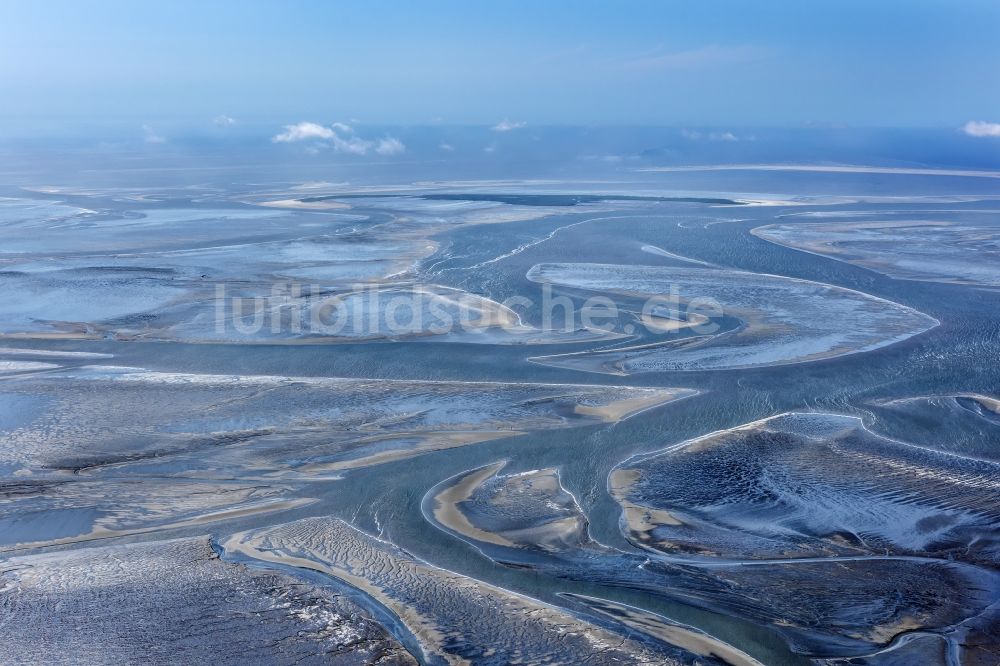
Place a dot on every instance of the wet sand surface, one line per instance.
(813, 480)
(177, 602)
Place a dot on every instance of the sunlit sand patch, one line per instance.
(809, 485)
(527, 510)
(447, 513)
(823, 607)
(784, 320)
(529, 520)
(985, 402)
(299, 204)
(959, 253)
(621, 409)
(456, 619)
(517, 215)
(641, 519)
(666, 320)
(177, 601)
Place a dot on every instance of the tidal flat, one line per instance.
(962, 248)
(667, 418)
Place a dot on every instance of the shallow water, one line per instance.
(602, 510)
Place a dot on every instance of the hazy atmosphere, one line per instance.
(500, 333)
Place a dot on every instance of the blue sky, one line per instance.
(675, 63)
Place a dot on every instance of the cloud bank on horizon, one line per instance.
(979, 129)
(341, 137)
(149, 135)
(506, 125)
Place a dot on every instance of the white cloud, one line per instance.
(695, 135)
(447, 147)
(352, 145)
(224, 121)
(979, 128)
(389, 146)
(303, 132)
(506, 125)
(150, 135)
(316, 185)
(722, 136)
(340, 137)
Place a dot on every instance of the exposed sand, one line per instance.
(663, 324)
(991, 404)
(304, 205)
(622, 409)
(435, 441)
(640, 520)
(683, 636)
(177, 602)
(458, 620)
(447, 513)
(783, 320)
